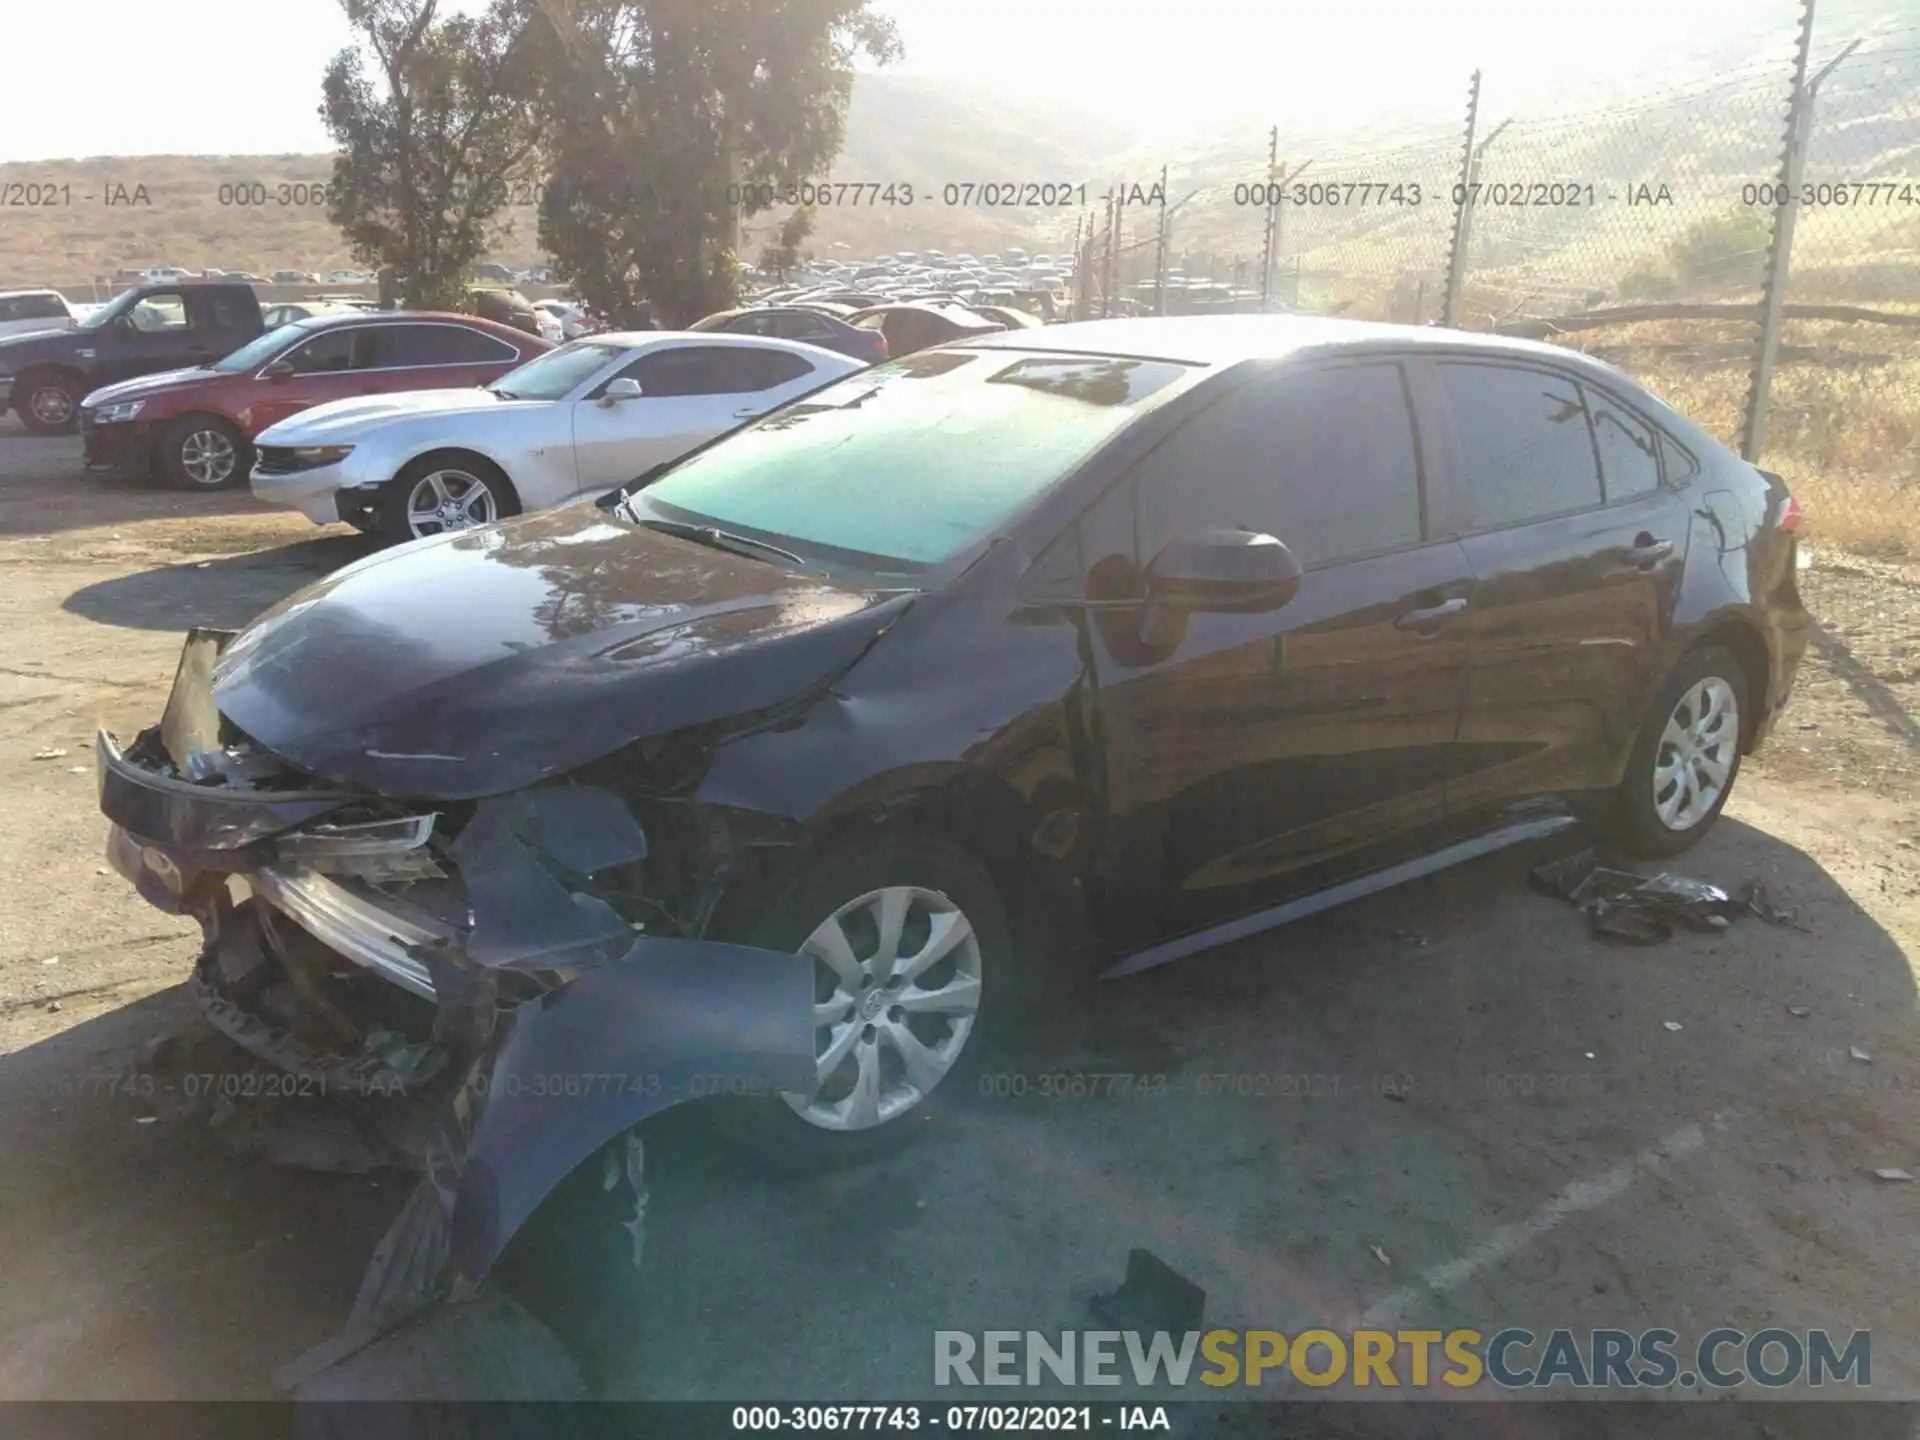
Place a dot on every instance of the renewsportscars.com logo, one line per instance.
(1511, 1359)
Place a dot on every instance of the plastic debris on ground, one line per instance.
(1154, 1296)
(1646, 909)
(1892, 1173)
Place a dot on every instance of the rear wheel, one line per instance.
(48, 402)
(1687, 755)
(441, 494)
(914, 977)
(204, 452)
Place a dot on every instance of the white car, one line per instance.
(580, 420)
(572, 315)
(24, 311)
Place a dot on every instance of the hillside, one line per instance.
(107, 213)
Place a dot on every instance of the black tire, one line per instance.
(194, 448)
(31, 400)
(1641, 830)
(800, 901)
(489, 1348)
(472, 470)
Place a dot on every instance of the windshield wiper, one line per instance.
(504, 394)
(718, 539)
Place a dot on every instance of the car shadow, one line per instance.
(143, 1260)
(222, 594)
(45, 489)
(1872, 692)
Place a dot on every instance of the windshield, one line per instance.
(554, 375)
(908, 464)
(262, 348)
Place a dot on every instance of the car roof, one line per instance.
(1227, 339)
(638, 339)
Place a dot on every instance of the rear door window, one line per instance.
(1629, 455)
(1526, 450)
(445, 345)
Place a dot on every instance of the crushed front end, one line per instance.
(479, 981)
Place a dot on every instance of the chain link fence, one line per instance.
(1748, 247)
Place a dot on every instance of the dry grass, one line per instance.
(1844, 436)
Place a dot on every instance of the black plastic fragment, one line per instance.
(1154, 1297)
(1638, 909)
(523, 915)
(584, 829)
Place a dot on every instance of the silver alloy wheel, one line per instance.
(1696, 754)
(448, 500)
(51, 405)
(897, 995)
(207, 457)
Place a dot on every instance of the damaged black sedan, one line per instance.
(794, 765)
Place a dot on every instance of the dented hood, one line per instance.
(474, 664)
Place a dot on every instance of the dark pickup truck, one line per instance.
(149, 328)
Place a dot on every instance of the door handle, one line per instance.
(1646, 552)
(1433, 614)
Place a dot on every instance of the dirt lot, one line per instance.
(1500, 1126)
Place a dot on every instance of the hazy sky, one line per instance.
(100, 77)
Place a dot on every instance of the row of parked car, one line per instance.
(408, 424)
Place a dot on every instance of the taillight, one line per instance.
(879, 348)
(1791, 515)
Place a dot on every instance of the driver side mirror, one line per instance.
(624, 388)
(279, 370)
(1223, 572)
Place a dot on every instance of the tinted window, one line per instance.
(328, 353)
(1680, 466)
(38, 307)
(8, 310)
(752, 324)
(1323, 460)
(1525, 449)
(797, 325)
(229, 313)
(714, 370)
(1629, 463)
(443, 345)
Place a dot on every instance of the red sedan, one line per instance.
(196, 427)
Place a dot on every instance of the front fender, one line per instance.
(671, 1021)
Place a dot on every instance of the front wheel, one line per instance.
(914, 973)
(204, 452)
(1687, 755)
(49, 403)
(440, 494)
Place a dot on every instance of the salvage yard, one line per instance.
(1446, 1106)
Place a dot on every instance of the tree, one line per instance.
(431, 117)
(782, 253)
(666, 122)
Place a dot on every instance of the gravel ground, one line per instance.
(1499, 1121)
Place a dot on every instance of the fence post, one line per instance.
(1270, 239)
(1462, 209)
(1773, 299)
(1160, 251)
